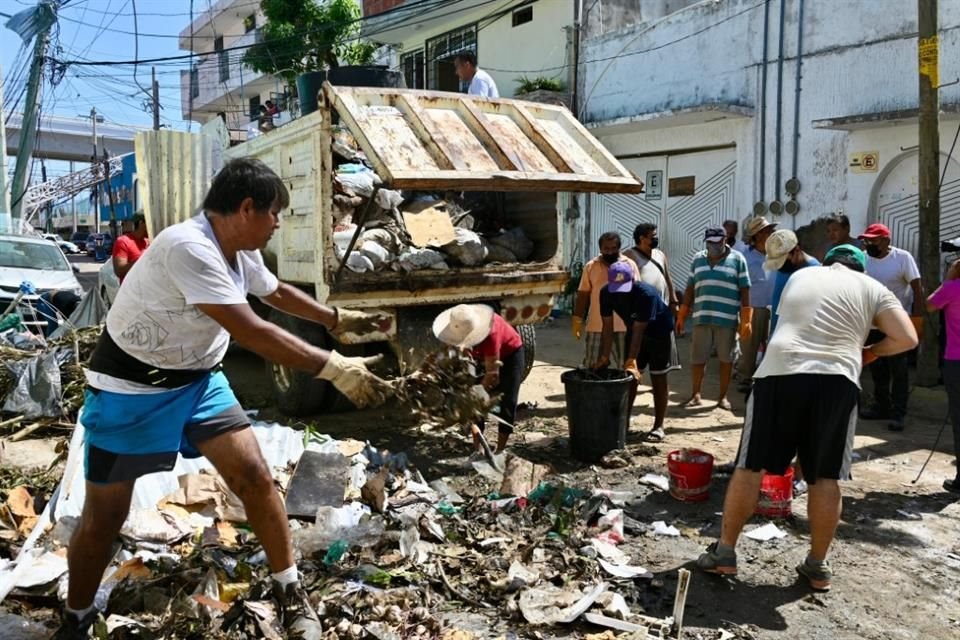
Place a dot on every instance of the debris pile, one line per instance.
(383, 553)
(444, 391)
(383, 229)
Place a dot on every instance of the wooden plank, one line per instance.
(513, 181)
(529, 125)
(600, 153)
(480, 126)
(359, 127)
(452, 97)
(429, 138)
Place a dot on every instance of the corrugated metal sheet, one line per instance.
(174, 170)
(433, 140)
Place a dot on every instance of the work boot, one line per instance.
(897, 423)
(819, 576)
(714, 562)
(875, 412)
(74, 628)
(296, 613)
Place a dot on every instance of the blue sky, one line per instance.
(103, 30)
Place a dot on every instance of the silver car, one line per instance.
(39, 262)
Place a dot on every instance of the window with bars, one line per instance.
(413, 69)
(223, 59)
(440, 52)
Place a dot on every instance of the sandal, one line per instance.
(656, 435)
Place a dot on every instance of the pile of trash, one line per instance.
(384, 553)
(411, 231)
(42, 377)
(444, 392)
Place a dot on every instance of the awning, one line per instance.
(450, 141)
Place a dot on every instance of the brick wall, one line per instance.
(373, 7)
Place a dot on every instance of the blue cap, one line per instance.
(620, 277)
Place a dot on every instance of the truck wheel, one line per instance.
(297, 393)
(528, 334)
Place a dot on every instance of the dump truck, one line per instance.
(518, 154)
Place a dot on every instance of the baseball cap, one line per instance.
(620, 277)
(715, 234)
(847, 251)
(876, 230)
(758, 224)
(779, 245)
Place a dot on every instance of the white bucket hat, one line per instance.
(464, 326)
(779, 245)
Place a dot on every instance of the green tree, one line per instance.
(308, 35)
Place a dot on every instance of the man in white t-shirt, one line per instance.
(895, 269)
(652, 262)
(479, 82)
(804, 400)
(156, 391)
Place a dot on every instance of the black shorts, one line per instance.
(658, 353)
(811, 416)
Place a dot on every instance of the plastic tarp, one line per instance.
(89, 313)
(38, 391)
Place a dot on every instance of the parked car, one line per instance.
(39, 262)
(107, 283)
(92, 243)
(80, 239)
(65, 245)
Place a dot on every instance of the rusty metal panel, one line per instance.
(435, 140)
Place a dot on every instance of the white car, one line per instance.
(65, 245)
(107, 283)
(39, 262)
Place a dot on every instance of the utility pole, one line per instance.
(4, 200)
(156, 99)
(106, 185)
(31, 112)
(928, 58)
(73, 204)
(93, 161)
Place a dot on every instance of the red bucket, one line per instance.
(776, 495)
(690, 472)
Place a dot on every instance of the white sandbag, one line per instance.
(359, 263)
(389, 199)
(376, 254)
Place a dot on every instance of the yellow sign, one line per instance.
(928, 52)
(865, 162)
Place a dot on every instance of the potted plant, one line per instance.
(308, 41)
(543, 89)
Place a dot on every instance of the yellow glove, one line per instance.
(918, 325)
(359, 323)
(577, 327)
(351, 377)
(630, 366)
(681, 318)
(746, 323)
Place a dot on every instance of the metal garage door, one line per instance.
(703, 195)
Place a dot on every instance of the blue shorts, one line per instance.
(130, 435)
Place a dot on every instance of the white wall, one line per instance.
(859, 58)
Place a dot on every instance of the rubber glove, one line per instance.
(746, 323)
(630, 366)
(681, 318)
(577, 327)
(351, 377)
(918, 325)
(602, 362)
(359, 323)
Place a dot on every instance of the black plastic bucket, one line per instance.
(598, 411)
(309, 84)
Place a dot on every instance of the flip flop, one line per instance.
(657, 435)
(725, 405)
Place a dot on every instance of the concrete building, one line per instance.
(511, 39)
(218, 81)
(704, 102)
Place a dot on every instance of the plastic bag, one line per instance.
(38, 390)
(414, 259)
(376, 254)
(351, 523)
(496, 253)
(468, 249)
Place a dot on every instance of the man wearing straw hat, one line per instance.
(650, 339)
(493, 342)
(761, 293)
(805, 397)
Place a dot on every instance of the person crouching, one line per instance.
(494, 343)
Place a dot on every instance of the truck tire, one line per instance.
(528, 334)
(297, 393)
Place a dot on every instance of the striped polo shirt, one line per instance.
(716, 288)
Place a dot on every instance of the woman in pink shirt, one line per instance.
(947, 299)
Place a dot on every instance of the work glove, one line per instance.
(602, 363)
(351, 377)
(359, 323)
(868, 356)
(681, 318)
(918, 325)
(577, 327)
(746, 323)
(630, 366)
